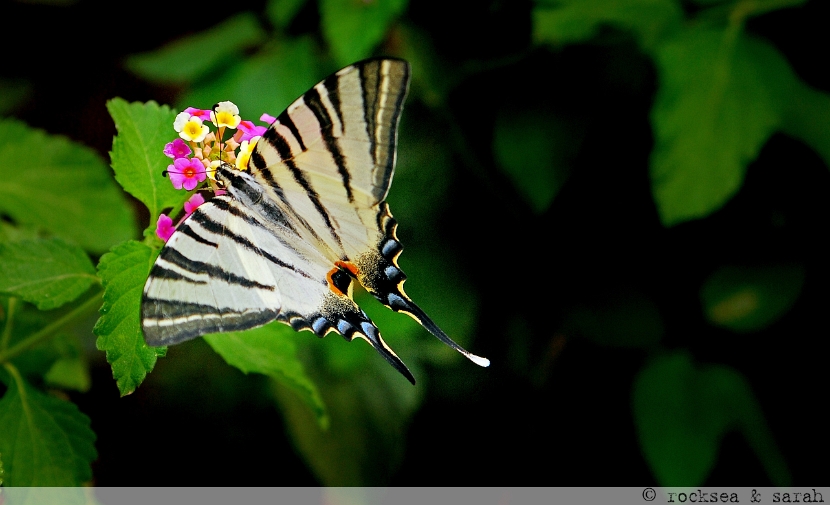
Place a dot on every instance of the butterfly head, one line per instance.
(225, 174)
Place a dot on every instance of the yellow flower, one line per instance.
(245, 150)
(225, 114)
(190, 127)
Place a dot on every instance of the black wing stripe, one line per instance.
(392, 139)
(284, 151)
(194, 319)
(174, 257)
(285, 120)
(273, 214)
(279, 143)
(254, 193)
(369, 83)
(176, 308)
(266, 174)
(187, 230)
(382, 82)
(159, 272)
(222, 230)
(315, 103)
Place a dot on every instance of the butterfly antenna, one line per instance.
(220, 133)
(407, 306)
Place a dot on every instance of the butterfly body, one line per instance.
(288, 238)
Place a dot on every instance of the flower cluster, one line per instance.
(199, 149)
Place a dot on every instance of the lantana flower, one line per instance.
(247, 131)
(201, 148)
(177, 149)
(225, 114)
(245, 150)
(191, 204)
(190, 127)
(202, 114)
(164, 227)
(186, 173)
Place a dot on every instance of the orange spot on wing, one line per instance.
(332, 287)
(348, 266)
(339, 266)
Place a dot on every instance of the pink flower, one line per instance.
(250, 131)
(192, 204)
(186, 173)
(176, 149)
(202, 114)
(267, 118)
(164, 227)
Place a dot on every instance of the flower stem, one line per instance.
(49, 330)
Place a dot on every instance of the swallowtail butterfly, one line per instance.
(289, 236)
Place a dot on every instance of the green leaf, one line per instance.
(39, 338)
(138, 153)
(282, 12)
(805, 118)
(535, 149)
(69, 373)
(189, 58)
(746, 299)
(682, 412)
(720, 98)
(12, 233)
(44, 441)
(47, 272)
(124, 272)
(369, 414)
(565, 22)
(354, 28)
(288, 68)
(270, 350)
(62, 187)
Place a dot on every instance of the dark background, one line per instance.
(563, 415)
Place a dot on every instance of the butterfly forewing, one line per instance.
(331, 155)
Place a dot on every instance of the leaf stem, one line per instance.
(48, 331)
(7, 329)
(739, 12)
(150, 237)
(18, 379)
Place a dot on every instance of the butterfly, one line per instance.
(291, 235)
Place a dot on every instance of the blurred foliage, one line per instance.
(498, 141)
(682, 409)
(745, 298)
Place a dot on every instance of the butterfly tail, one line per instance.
(399, 302)
(370, 334)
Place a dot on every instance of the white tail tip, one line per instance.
(478, 360)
